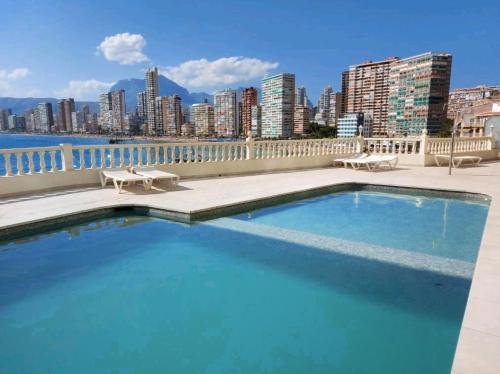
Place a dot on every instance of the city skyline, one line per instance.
(230, 49)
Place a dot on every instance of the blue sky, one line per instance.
(59, 48)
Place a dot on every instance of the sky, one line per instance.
(80, 48)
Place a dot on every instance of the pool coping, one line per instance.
(22, 229)
(479, 341)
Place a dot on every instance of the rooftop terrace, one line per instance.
(479, 342)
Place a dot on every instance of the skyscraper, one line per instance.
(151, 94)
(46, 117)
(301, 120)
(105, 112)
(174, 116)
(256, 120)
(65, 107)
(142, 111)
(368, 90)
(249, 99)
(226, 109)
(278, 100)
(69, 108)
(418, 94)
(4, 118)
(161, 112)
(118, 110)
(301, 96)
(203, 117)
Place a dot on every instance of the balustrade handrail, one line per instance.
(65, 157)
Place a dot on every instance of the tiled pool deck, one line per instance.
(478, 348)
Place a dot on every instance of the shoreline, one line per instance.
(161, 139)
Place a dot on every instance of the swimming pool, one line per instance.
(355, 281)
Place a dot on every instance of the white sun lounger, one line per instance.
(155, 174)
(346, 160)
(458, 160)
(373, 162)
(121, 176)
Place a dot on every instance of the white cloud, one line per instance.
(125, 48)
(84, 90)
(9, 76)
(223, 71)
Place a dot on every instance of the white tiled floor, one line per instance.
(478, 350)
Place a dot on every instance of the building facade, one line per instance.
(348, 125)
(105, 112)
(248, 99)
(367, 90)
(46, 117)
(418, 94)
(278, 101)
(226, 113)
(463, 98)
(301, 120)
(4, 118)
(151, 76)
(65, 107)
(256, 113)
(203, 117)
(141, 108)
(118, 110)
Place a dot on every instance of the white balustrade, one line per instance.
(43, 160)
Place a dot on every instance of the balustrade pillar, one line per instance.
(67, 156)
(250, 144)
(423, 142)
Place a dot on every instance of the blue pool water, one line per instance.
(139, 294)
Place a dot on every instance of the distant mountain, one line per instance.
(20, 105)
(131, 86)
(165, 86)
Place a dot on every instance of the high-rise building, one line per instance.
(4, 118)
(256, 113)
(366, 87)
(105, 112)
(65, 107)
(348, 124)
(151, 94)
(301, 120)
(69, 108)
(249, 99)
(118, 110)
(169, 115)
(17, 123)
(301, 96)
(174, 119)
(203, 117)
(78, 121)
(418, 94)
(186, 115)
(142, 110)
(226, 113)
(46, 117)
(30, 119)
(463, 98)
(345, 88)
(278, 100)
(161, 110)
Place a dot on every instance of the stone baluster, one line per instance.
(19, 160)
(67, 156)
(53, 165)
(31, 164)
(43, 166)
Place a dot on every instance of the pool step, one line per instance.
(400, 257)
